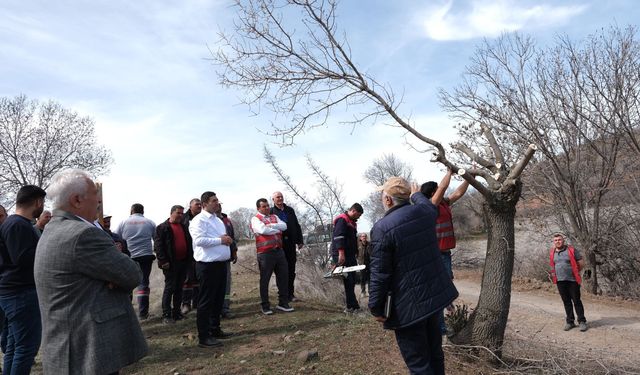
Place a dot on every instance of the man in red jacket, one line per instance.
(566, 263)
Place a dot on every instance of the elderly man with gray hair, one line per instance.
(83, 284)
(409, 285)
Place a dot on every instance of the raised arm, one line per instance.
(459, 192)
(442, 188)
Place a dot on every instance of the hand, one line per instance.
(234, 257)
(380, 319)
(119, 246)
(226, 240)
(165, 266)
(341, 257)
(415, 188)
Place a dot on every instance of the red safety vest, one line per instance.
(572, 259)
(444, 227)
(265, 242)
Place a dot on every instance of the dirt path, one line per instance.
(614, 327)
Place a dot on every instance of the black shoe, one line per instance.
(267, 311)
(228, 315)
(209, 342)
(178, 316)
(218, 333)
(167, 320)
(285, 308)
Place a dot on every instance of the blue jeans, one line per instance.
(446, 260)
(24, 331)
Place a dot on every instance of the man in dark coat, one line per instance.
(344, 250)
(409, 284)
(191, 288)
(174, 250)
(291, 238)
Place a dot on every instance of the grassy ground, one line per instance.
(346, 344)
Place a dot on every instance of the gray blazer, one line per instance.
(88, 326)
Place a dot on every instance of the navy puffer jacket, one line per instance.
(405, 261)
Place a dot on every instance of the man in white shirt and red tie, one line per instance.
(268, 230)
(211, 252)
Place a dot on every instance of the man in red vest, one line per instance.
(566, 263)
(444, 221)
(268, 229)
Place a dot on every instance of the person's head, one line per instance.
(263, 206)
(30, 201)
(558, 240)
(137, 208)
(355, 211)
(43, 219)
(74, 191)
(395, 191)
(278, 199)
(362, 237)
(3, 214)
(429, 188)
(195, 206)
(177, 212)
(210, 202)
(106, 222)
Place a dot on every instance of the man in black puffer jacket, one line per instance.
(407, 270)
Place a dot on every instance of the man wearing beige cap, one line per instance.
(409, 285)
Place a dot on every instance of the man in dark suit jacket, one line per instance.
(83, 283)
(291, 238)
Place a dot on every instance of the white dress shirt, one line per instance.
(259, 227)
(206, 230)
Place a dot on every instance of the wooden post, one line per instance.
(100, 204)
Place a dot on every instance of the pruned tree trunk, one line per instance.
(488, 321)
(590, 275)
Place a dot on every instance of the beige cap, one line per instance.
(396, 187)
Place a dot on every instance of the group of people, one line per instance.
(69, 286)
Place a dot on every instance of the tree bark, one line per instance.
(487, 323)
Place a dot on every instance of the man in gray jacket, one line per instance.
(138, 231)
(83, 284)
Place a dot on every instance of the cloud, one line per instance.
(490, 18)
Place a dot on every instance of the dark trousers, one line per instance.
(446, 260)
(292, 258)
(173, 280)
(349, 281)
(268, 263)
(190, 289)
(364, 278)
(570, 294)
(227, 291)
(212, 277)
(142, 291)
(24, 331)
(421, 346)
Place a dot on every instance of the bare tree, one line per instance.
(241, 219)
(303, 68)
(325, 202)
(571, 100)
(39, 139)
(388, 165)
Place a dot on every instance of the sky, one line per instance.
(143, 71)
